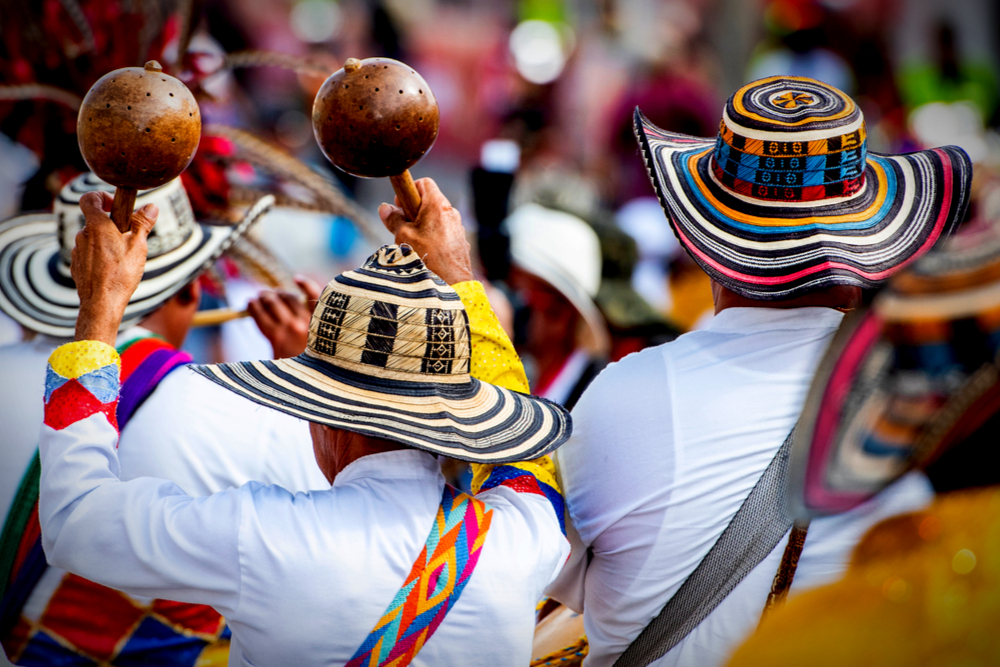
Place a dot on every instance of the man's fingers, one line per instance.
(392, 217)
(92, 205)
(275, 307)
(430, 192)
(144, 219)
(107, 199)
(263, 319)
(310, 289)
(294, 304)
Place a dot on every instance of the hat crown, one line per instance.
(174, 225)
(791, 139)
(392, 318)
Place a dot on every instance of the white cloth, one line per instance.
(666, 446)
(302, 579)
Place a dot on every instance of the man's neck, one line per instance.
(840, 297)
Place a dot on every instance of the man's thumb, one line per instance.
(144, 219)
(392, 217)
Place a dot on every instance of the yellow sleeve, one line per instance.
(493, 357)
(494, 360)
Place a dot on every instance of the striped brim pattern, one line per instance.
(902, 381)
(787, 199)
(388, 356)
(37, 290)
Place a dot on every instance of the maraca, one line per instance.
(138, 128)
(376, 118)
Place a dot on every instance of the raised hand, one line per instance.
(437, 233)
(107, 266)
(284, 319)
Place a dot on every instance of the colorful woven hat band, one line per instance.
(819, 154)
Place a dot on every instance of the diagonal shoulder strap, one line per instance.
(430, 590)
(754, 531)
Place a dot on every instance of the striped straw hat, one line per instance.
(787, 200)
(36, 288)
(903, 381)
(388, 356)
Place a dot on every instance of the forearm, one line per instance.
(144, 536)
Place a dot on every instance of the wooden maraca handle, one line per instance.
(409, 198)
(122, 208)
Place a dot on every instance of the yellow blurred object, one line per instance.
(922, 589)
(690, 295)
(215, 654)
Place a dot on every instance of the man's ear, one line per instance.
(190, 294)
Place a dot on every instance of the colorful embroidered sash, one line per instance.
(145, 362)
(433, 586)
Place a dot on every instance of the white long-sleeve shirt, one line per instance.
(301, 578)
(666, 446)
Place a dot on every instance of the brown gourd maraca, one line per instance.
(375, 118)
(138, 128)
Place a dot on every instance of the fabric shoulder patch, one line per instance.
(82, 379)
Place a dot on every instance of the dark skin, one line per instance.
(840, 297)
(172, 320)
(108, 265)
(283, 317)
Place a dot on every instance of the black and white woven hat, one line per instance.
(388, 356)
(36, 288)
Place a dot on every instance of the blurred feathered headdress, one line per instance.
(52, 52)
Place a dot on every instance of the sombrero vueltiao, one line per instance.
(36, 288)
(388, 356)
(903, 381)
(787, 200)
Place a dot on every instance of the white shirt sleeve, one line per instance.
(145, 536)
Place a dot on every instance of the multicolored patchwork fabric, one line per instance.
(81, 380)
(84, 623)
(389, 356)
(536, 477)
(903, 381)
(433, 586)
(787, 199)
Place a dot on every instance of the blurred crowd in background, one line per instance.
(535, 147)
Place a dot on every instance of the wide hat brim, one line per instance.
(472, 421)
(36, 288)
(771, 250)
(872, 414)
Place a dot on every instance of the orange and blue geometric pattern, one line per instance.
(81, 380)
(434, 584)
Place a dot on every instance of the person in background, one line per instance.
(668, 443)
(556, 268)
(174, 424)
(910, 382)
(633, 324)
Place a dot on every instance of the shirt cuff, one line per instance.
(82, 379)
